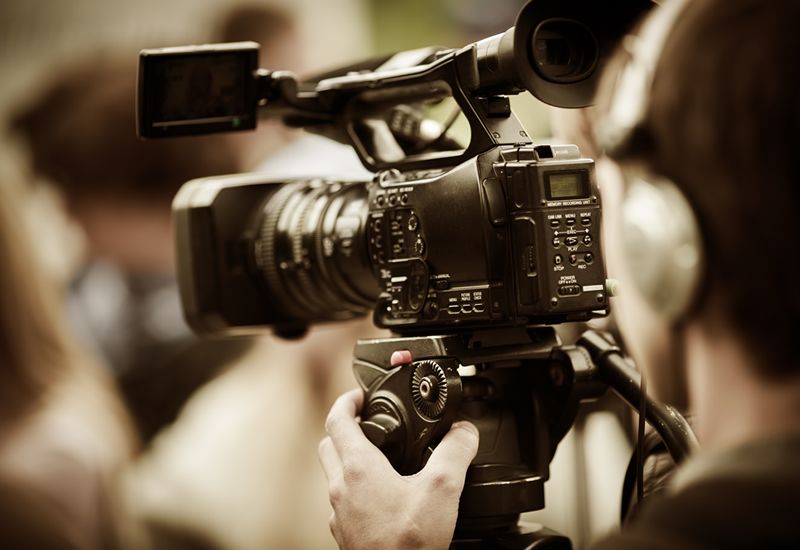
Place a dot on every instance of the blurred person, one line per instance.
(724, 134)
(64, 435)
(275, 29)
(273, 148)
(237, 470)
(80, 130)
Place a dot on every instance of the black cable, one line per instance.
(625, 380)
(640, 444)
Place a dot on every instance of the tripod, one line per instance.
(522, 390)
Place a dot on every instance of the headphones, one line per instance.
(662, 242)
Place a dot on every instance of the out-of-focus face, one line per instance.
(648, 337)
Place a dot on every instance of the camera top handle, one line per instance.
(336, 105)
(554, 51)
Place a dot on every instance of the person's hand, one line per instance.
(373, 505)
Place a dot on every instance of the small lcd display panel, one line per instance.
(566, 185)
(196, 90)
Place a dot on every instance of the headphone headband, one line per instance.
(617, 129)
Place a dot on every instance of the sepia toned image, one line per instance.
(365, 274)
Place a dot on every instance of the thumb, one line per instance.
(451, 458)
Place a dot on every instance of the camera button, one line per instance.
(570, 221)
(558, 259)
(556, 242)
(569, 290)
(555, 223)
(588, 258)
(587, 240)
(413, 222)
(419, 247)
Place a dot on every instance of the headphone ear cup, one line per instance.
(662, 245)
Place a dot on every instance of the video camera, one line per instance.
(465, 249)
(499, 233)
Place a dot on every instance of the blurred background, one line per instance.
(39, 35)
(231, 422)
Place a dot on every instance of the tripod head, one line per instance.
(520, 387)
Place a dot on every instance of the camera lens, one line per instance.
(563, 50)
(311, 250)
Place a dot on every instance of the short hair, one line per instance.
(723, 122)
(82, 135)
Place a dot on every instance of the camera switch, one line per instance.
(441, 284)
(569, 290)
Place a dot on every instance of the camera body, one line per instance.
(509, 237)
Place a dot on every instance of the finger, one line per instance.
(447, 466)
(342, 426)
(401, 357)
(329, 458)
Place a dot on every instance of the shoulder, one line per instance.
(731, 509)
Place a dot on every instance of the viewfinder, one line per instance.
(197, 89)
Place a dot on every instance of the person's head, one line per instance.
(276, 30)
(81, 132)
(273, 28)
(722, 122)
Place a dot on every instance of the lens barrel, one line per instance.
(311, 250)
